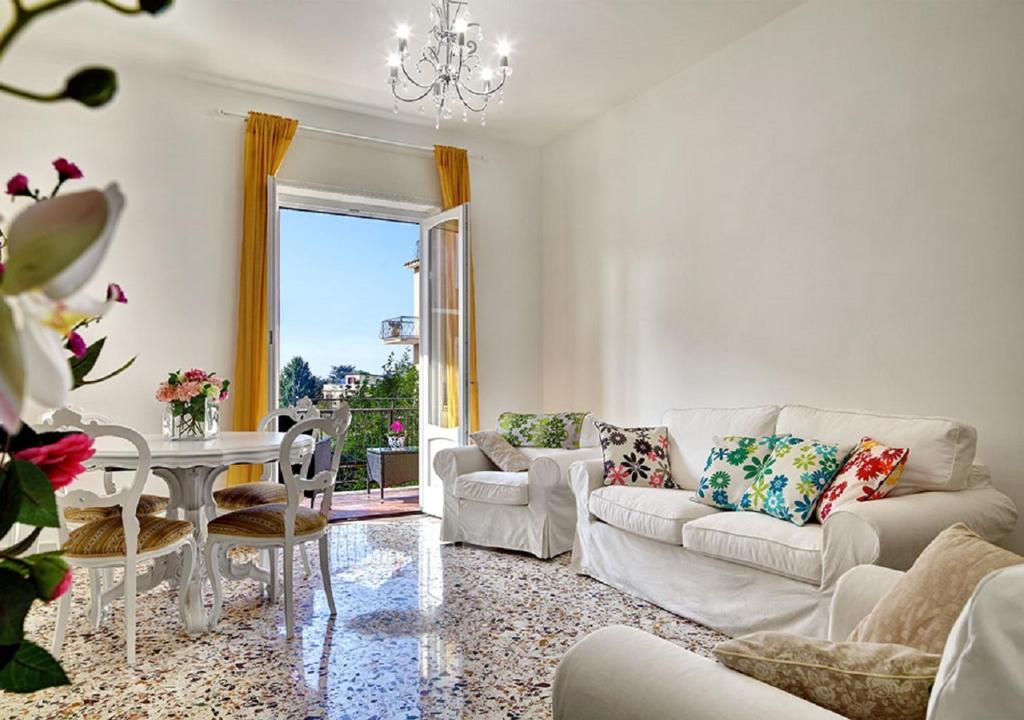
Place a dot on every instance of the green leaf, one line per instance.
(80, 367)
(111, 374)
(12, 369)
(19, 594)
(31, 669)
(22, 546)
(38, 503)
(10, 498)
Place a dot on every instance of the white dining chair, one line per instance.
(99, 580)
(125, 538)
(283, 526)
(267, 489)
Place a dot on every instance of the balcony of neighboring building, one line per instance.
(401, 330)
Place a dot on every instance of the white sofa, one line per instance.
(532, 511)
(979, 676)
(740, 572)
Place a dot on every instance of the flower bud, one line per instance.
(93, 86)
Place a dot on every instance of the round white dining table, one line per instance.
(190, 467)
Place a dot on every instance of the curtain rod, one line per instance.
(350, 136)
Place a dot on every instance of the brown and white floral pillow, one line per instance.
(635, 456)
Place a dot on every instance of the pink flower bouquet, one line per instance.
(192, 410)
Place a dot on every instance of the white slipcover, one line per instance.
(717, 592)
(759, 541)
(652, 513)
(691, 431)
(492, 486)
(532, 511)
(941, 449)
(980, 674)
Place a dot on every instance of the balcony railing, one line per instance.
(369, 428)
(401, 330)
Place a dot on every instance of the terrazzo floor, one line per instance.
(422, 631)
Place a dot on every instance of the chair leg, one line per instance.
(63, 610)
(213, 569)
(289, 600)
(274, 575)
(188, 565)
(96, 586)
(305, 560)
(130, 578)
(325, 572)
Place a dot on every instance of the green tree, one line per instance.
(338, 373)
(298, 381)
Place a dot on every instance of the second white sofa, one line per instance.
(740, 572)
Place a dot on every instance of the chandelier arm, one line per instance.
(458, 91)
(414, 81)
(487, 93)
(394, 91)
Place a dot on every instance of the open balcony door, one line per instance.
(444, 327)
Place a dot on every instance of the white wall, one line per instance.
(829, 211)
(177, 249)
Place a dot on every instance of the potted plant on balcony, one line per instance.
(396, 435)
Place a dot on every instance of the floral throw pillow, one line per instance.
(553, 430)
(635, 456)
(732, 464)
(871, 471)
(792, 478)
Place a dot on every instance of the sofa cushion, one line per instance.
(654, 513)
(552, 430)
(732, 465)
(491, 486)
(637, 457)
(941, 449)
(500, 452)
(691, 432)
(758, 541)
(793, 477)
(869, 473)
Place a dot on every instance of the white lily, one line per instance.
(54, 247)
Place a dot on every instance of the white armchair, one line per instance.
(599, 678)
(532, 511)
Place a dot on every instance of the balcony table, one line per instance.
(190, 467)
(388, 466)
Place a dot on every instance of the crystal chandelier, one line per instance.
(449, 69)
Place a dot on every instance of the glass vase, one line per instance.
(195, 419)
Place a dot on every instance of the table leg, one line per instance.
(191, 491)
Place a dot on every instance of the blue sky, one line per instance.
(340, 276)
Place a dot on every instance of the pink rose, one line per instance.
(115, 293)
(76, 345)
(62, 460)
(62, 587)
(165, 393)
(18, 185)
(66, 170)
(196, 374)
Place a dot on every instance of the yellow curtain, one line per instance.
(453, 172)
(267, 138)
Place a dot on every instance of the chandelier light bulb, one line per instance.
(460, 26)
(486, 74)
(504, 48)
(394, 60)
(403, 31)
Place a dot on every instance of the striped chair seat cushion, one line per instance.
(247, 495)
(105, 538)
(265, 521)
(148, 505)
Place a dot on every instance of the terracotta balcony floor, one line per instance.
(357, 505)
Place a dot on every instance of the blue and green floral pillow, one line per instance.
(553, 430)
(790, 480)
(731, 467)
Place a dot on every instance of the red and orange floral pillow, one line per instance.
(869, 473)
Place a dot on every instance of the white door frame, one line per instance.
(431, 489)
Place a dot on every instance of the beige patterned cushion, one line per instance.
(873, 681)
(247, 495)
(105, 538)
(148, 505)
(500, 451)
(923, 605)
(266, 521)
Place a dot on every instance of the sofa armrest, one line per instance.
(452, 462)
(599, 678)
(584, 478)
(857, 593)
(893, 531)
(553, 470)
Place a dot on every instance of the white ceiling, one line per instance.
(572, 59)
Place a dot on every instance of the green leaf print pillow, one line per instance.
(551, 430)
(792, 479)
(732, 466)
